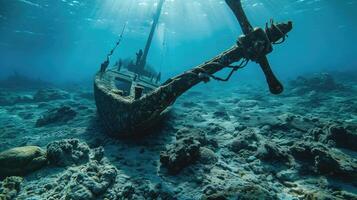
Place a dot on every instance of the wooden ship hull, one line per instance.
(134, 107)
(124, 113)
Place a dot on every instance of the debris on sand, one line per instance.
(57, 115)
(67, 152)
(21, 161)
(180, 155)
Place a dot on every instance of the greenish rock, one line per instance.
(21, 161)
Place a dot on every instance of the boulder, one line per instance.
(57, 115)
(67, 152)
(21, 161)
(177, 156)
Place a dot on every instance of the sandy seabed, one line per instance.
(219, 142)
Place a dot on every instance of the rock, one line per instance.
(320, 195)
(44, 95)
(244, 140)
(57, 115)
(247, 192)
(272, 152)
(288, 175)
(207, 156)
(87, 182)
(254, 192)
(183, 153)
(21, 161)
(141, 189)
(98, 153)
(340, 136)
(10, 187)
(322, 82)
(67, 152)
(324, 161)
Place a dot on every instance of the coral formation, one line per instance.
(10, 187)
(67, 152)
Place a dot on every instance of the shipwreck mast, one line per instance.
(151, 35)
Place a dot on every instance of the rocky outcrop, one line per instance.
(68, 152)
(207, 156)
(21, 161)
(322, 82)
(88, 182)
(10, 187)
(57, 115)
(247, 192)
(180, 155)
(272, 152)
(318, 159)
(245, 140)
(340, 136)
(141, 189)
(45, 95)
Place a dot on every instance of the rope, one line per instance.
(122, 32)
(118, 42)
(205, 76)
(284, 36)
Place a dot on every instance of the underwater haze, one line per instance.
(67, 40)
(167, 125)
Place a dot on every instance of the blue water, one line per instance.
(66, 40)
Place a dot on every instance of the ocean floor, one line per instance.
(219, 142)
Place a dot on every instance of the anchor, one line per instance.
(257, 43)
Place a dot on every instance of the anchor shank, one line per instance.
(237, 8)
(169, 91)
